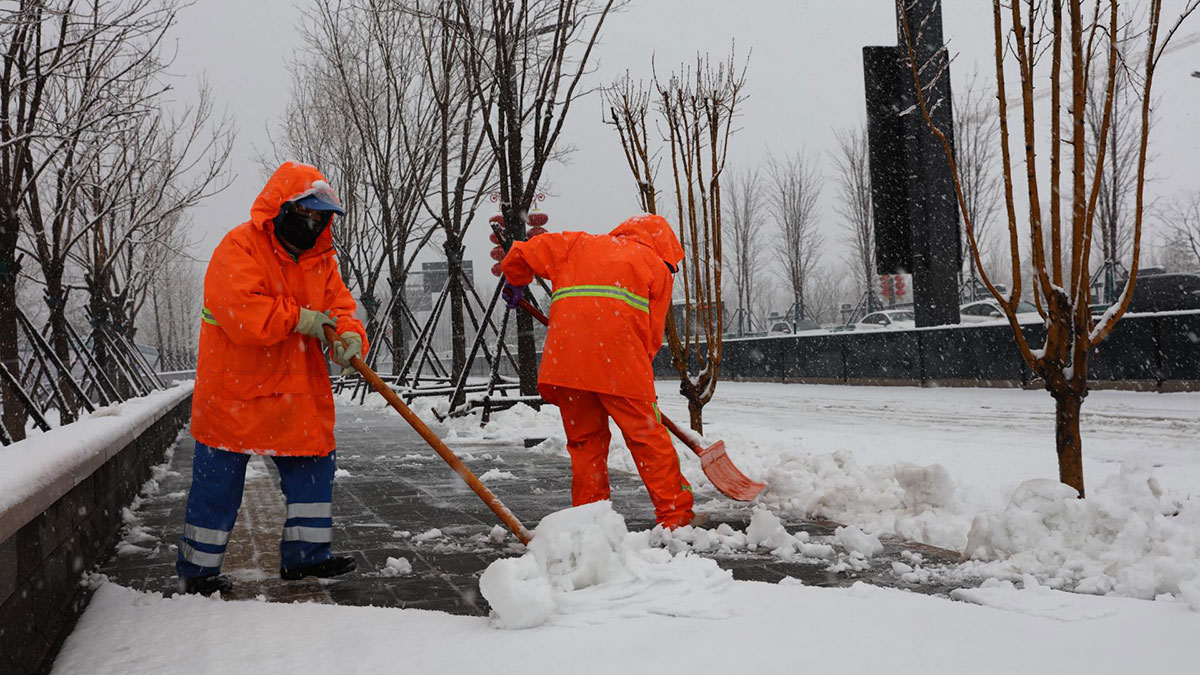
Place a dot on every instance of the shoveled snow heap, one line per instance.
(583, 566)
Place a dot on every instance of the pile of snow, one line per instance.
(583, 566)
(1126, 538)
(397, 567)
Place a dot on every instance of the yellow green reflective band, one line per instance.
(657, 414)
(685, 487)
(615, 292)
(207, 317)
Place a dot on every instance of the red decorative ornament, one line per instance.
(899, 286)
(498, 253)
(495, 240)
(535, 231)
(885, 285)
(498, 219)
(496, 270)
(538, 219)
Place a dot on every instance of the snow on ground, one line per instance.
(965, 469)
(766, 628)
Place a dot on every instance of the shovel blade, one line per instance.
(725, 476)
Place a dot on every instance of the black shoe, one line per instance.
(206, 585)
(337, 565)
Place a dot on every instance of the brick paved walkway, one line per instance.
(392, 491)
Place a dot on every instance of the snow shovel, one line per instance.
(715, 462)
(492, 501)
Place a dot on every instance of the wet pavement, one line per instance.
(394, 498)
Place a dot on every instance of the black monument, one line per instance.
(912, 189)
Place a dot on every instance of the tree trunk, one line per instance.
(57, 302)
(1067, 439)
(397, 320)
(458, 326)
(14, 410)
(696, 415)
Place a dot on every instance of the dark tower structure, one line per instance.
(912, 189)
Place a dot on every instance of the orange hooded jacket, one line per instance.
(259, 386)
(609, 306)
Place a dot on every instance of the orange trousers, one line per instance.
(585, 417)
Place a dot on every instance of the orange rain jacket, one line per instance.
(260, 387)
(609, 305)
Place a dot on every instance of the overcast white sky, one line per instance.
(805, 79)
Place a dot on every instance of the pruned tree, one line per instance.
(629, 104)
(795, 192)
(697, 108)
(853, 205)
(745, 216)
(1026, 33)
(536, 53)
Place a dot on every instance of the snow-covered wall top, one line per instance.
(36, 472)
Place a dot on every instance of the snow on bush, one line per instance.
(1125, 538)
(583, 566)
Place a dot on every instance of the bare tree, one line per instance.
(537, 53)
(795, 193)
(1028, 33)
(354, 112)
(1182, 222)
(744, 214)
(629, 105)
(462, 162)
(698, 108)
(976, 130)
(854, 206)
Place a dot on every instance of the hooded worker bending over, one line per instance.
(607, 315)
(262, 383)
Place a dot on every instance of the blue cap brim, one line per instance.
(317, 204)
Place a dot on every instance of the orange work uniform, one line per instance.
(259, 386)
(607, 316)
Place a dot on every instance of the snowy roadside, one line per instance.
(65, 455)
(970, 470)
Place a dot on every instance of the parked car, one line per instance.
(989, 310)
(785, 327)
(1165, 293)
(887, 319)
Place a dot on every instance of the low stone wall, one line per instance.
(43, 555)
(1153, 352)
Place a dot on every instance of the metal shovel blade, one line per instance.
(725, 476)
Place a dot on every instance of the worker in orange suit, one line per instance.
(262, 382)
(608, 311)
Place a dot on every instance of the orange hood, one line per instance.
(654, 231)
(291, 180)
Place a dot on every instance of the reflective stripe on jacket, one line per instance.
(259, 386)
(609, 306)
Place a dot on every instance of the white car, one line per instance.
(982, 311)
(893, 319)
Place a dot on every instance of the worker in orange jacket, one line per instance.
(608, 312)
(262, 382)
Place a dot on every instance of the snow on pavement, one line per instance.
(770, 628)
(951, 467)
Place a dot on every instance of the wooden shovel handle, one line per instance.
(493, 502)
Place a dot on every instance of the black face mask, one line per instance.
(300, 230)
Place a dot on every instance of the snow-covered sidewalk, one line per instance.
(964, 469)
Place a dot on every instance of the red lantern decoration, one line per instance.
(498, 219)
(899, 286)
(495, 240)
(885, 285)
(538, 219)
(498, 253)
(535, 231)
(496, 270)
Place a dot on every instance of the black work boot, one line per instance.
(338, 564)
(206, 585)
